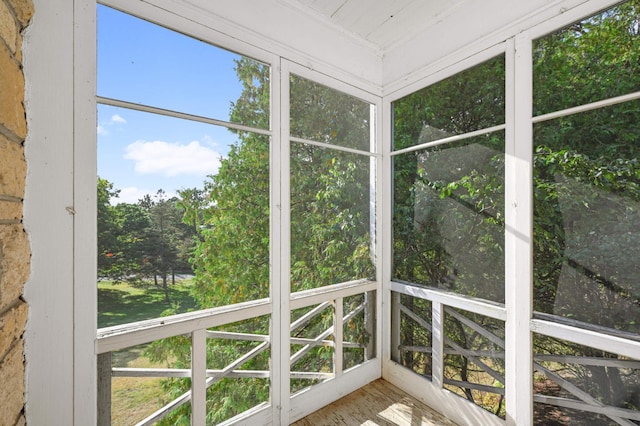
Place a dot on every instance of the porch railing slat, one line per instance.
(198, 378)
(337, 336)
(579, 393)
(196, 323)
(607, 410)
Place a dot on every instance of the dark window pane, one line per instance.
(322, 114)
(474, 366)
(359, 330)
(413, 333)
(330, 217)
(591, 60)
(449, 217)
(311, 364)
(228, 396)
(468, 101)
(602, 387)
(587, 216)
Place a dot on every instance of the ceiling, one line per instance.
(381, 23)
(378, 45)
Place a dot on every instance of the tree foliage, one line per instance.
(143, 240)
(448, 219)
(586, 172)
(330, 194)
(448, 199)
(231, 261)
(330, 223)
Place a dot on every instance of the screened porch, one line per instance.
(438, 196)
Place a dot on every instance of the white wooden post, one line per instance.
(370, 324)
(198, 377)
(59, 213)
(338, 336)
(281, 281)
(519, 232)
(85, 207)
(437, 343)
(395, 327)
(389, 314)
(375, 193)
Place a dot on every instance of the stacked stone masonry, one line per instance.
(14, 245)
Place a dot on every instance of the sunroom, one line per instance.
(440, 194)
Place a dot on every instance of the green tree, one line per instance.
(231, 256)
(121, 236)
(132, 222)
(586, 168)
(168, 241)
(191, 201)
(231, 261)
(450, 181)
(143, 240)
(107, 228)
(586, 190)
(330, 222)
(330, 194)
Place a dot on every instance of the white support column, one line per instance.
(338, 336)
(388, 304)
(281, 248)
(392, 331)
(373, 300)
(198, 377)
(437, 343)
(275, 238)
(374, 166)
(85, 205)
(59, 213)
(381, 218)
(519, 230)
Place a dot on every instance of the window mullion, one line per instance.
(280, 245)
(518, 232)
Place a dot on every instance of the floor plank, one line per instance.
(379, 403)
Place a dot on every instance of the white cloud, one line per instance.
(103, 128)
(173, 159)
(208, 140)
(130, 195)
(117, 119)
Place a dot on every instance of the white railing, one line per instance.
(196, 325)
(443, 303)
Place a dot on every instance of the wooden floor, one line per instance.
(379, 403)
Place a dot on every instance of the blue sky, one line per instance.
(143, 63)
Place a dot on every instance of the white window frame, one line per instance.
(60, 212)
(61, 335)
(520, 325)
(60, 203)
(325, 393)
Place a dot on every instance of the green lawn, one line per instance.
(122, 303)
(132, 399)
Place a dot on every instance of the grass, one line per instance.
(122, 303)
(134, 398)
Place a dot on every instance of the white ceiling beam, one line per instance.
(459, 35)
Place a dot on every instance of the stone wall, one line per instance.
(14, 245)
